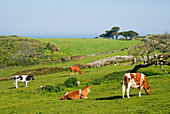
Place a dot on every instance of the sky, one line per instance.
(82, 18)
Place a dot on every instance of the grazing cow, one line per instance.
(23, 78)
(135, 80)
(78, 94)
(75, 68)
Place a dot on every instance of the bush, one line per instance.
(50, 88)
(71, 82)
(97, 82)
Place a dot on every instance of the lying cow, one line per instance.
(22, 78)
(135, 80)
(75, 68)
(78, 94)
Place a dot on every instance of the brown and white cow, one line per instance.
(75, 68)
(78, 94)
(135, 80)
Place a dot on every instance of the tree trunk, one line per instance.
(137, 67)
(134, 70)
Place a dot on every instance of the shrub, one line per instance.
(50, 88)
(59, 87)
(97, 82)
(71, 82)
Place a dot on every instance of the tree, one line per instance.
(111, 33)
(125, 34)
(132, 34)
(115, 31)
(148, 49)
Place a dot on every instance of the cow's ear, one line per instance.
(149, 88)
(87, 86)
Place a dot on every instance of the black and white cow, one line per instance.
(22, 78)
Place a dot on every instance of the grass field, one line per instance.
(104, 98)
(9, 71)
(90, 46)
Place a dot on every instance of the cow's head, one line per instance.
(88, 88)
(31, 77)
(147, 90)
(80, 72)
(64, 97)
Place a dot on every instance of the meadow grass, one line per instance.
(89, 46)
(6, 72)
(104, 98)
(75, 46)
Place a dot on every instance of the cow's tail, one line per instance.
(123, 84)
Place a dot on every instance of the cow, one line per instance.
(135, 80)
(75, 68)
(22, 78)
(78, 94)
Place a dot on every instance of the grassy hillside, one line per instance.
(19, 51)
(9, 71)
(90, 46)
(104, 98)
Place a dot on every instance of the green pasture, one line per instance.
(104, 98)
(89, 46)
(9, 71)
(79, 47)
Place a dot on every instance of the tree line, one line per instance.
(114, 33)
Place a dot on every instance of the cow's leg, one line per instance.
(83, 97)
(128, 88)
(139, 88)
(26, 83)
(70, 73)
(16, 84)
(76, 73)
(123, 89)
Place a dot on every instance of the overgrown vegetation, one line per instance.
(19, 51)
